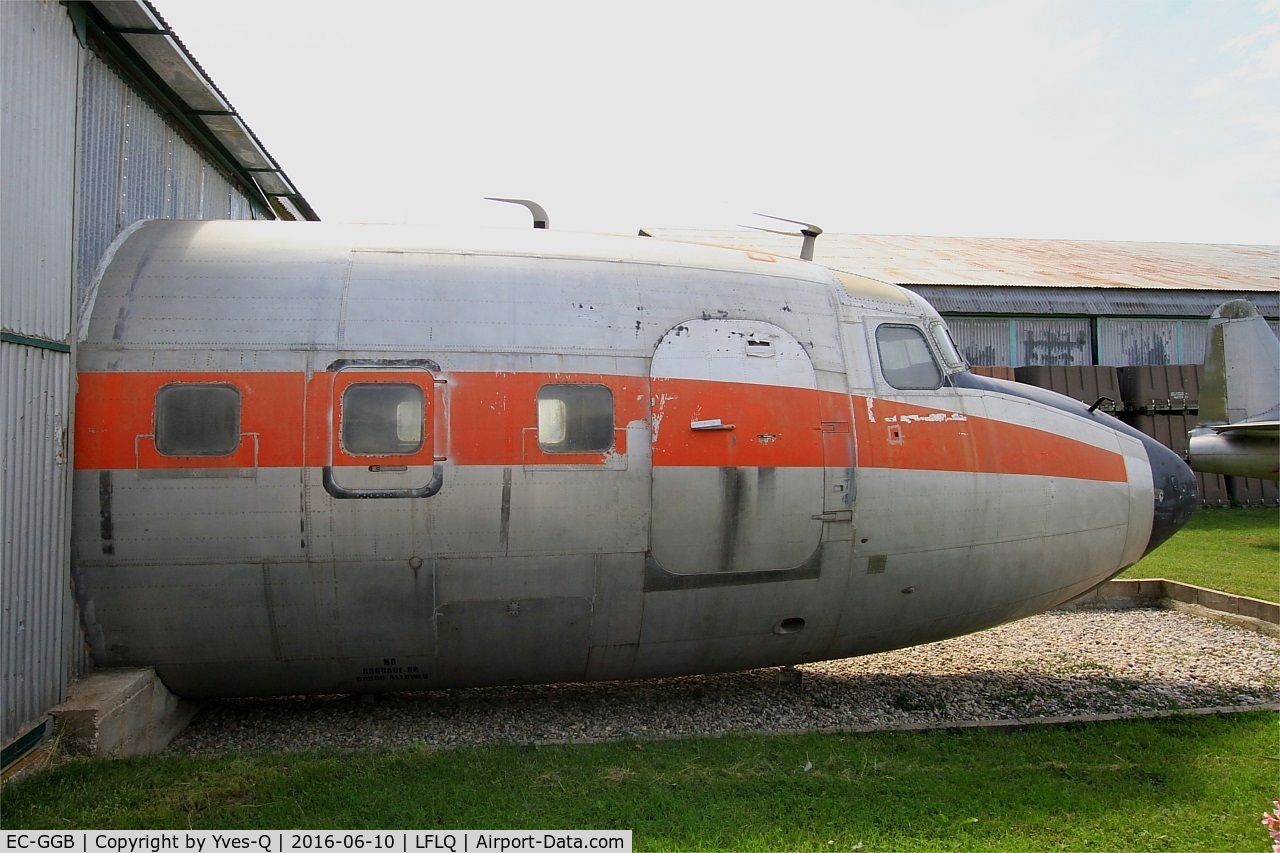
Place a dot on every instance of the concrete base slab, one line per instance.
(120, 712)
(1252, 613)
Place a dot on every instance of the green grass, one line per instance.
(1170, 784)
(1231, 550)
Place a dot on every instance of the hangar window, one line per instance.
(195, 419)
(905, 358)
(575, 418)
(382, 418)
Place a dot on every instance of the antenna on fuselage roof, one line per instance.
(807, 231)
(540, 218)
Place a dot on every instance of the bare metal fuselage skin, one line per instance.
(315, 459)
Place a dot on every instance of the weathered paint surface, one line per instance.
(759, 494)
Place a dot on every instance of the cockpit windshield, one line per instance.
(947, 346)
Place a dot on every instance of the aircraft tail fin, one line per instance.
(1241, 368)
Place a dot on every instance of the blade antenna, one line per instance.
(540, 218)
(808, 231)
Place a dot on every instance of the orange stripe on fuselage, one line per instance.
(762, 426)
(893, 434)
(489, 418)
(479, 419)
(115, 415)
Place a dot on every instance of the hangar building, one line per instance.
(107, 119)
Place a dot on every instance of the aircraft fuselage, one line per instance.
(316, 459)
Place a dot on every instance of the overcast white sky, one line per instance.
(1080, 119)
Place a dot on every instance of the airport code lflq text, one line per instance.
(248, 841)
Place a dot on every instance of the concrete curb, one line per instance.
(1017, 723)
(1010, 724)
(1251, 613)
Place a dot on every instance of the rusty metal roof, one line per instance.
(1013, 262)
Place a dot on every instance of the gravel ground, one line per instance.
(1063, 663)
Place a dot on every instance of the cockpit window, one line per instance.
(905, 358)
(946, 345)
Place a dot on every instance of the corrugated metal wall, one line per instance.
(1193, 333)
(134, 165)
(39, 61)
(1068, 341)
(1023, 341)
(39, 112)
(1125, 342)
(84, 151)
(37, 607)
(983, 342)
(1053, 341)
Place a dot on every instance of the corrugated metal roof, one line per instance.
(136, 37)
(1087, 301)
(1005, 262)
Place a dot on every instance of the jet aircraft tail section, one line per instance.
(1238, 433)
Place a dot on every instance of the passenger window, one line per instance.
(575, 418)
(905, 358)
(382, 418)
(197, 419)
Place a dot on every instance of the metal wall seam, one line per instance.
(77, 661)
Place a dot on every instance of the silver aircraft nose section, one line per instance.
(1175, 492)
(1173, 483)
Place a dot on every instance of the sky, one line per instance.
(1156, 120)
